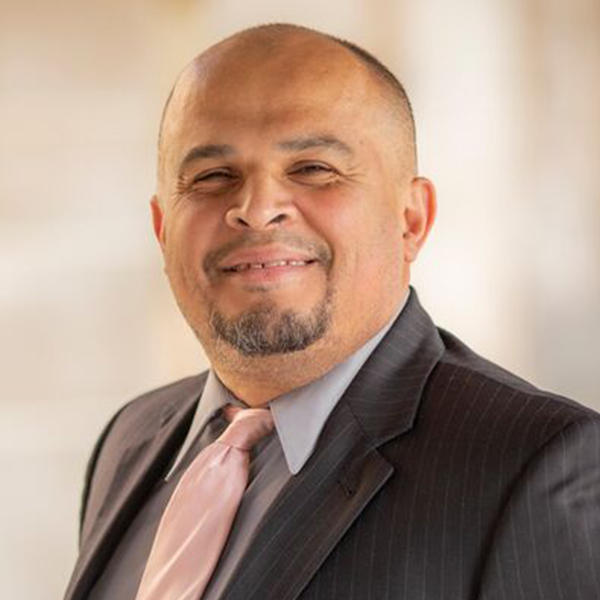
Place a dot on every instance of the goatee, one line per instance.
(265, 330)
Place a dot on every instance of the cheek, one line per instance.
(188, 235)
(364, 237)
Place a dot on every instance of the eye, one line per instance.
(312, 169)
(316, 172)
(213, 176)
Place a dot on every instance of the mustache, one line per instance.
(317, 249)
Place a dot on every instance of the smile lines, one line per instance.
(267, 265)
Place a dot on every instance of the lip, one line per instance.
(270, 258)
(270, 276)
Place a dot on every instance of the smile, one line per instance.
(267, 265)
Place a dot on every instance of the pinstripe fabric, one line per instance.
(437, 476)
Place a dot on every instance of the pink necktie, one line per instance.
(197, 520)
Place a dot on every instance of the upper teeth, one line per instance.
(271, 263)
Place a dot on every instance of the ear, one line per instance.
(419, 214)
(158, 221)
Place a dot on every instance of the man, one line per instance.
(401, 465)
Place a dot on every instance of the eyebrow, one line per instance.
(319, 141)
(291, 145)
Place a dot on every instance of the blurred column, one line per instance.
(458, 61)
(559, 157)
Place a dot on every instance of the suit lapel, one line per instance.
(346, 470)
(311, 514)
(140, 466)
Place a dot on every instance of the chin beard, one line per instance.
(265, 330)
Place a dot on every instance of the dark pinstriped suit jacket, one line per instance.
(438, 476)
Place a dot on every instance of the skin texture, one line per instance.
(301, 156)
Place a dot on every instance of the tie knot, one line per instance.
(247, 426)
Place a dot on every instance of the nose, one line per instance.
(262, 204)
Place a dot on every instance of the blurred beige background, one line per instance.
(507, 99)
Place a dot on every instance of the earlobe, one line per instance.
(158, 221)
(419, 214)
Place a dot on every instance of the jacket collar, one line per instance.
(385, 395)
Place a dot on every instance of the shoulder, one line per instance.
(534, 457)
(149, 410)
(143, 415)
(493, 401)
(133, 424)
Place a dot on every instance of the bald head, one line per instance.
(288, 51)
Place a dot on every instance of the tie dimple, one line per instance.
(246, 427)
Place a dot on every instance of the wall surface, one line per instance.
(507, 99)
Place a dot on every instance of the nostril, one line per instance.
(278, 218)
(257, 219)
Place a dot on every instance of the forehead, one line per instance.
(262, 92)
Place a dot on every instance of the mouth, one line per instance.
(271, 264)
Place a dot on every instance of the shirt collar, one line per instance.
(214, 397)
(299, 415)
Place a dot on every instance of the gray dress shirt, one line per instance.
(299, 418)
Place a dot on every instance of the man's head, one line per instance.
(288, 206)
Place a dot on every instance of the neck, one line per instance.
(258, 380)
